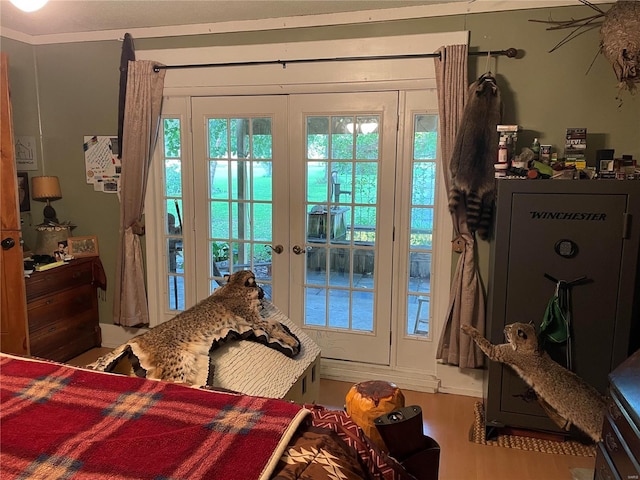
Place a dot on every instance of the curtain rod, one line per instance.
(510, 52)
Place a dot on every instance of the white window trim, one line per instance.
(361, 75)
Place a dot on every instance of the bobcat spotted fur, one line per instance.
(566, 393)
(178, 350)
(472, 163)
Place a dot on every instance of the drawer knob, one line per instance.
(611, 443)
(605, 474)
(8, 243)
(614, 411)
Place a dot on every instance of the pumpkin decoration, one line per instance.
(366, 401)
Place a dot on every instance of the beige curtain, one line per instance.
(140, 133)
(466, 301)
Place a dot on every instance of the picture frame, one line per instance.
(86, 246)
(23, 192)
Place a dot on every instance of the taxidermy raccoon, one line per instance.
(568, 395)
(475, 152)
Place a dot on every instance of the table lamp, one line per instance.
(45, 189)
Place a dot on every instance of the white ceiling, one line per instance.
(78, 20)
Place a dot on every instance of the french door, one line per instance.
(343, 159)
(294, 187)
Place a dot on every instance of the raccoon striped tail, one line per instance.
(486, 219)
(455, 195)
(474, 210)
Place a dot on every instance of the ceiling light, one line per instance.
(29, 5)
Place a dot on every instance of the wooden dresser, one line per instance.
(618, 455)
(62, 307)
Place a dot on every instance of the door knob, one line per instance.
(298, 250)
(278, 248)
(8, 243)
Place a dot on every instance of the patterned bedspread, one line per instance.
(59, 422)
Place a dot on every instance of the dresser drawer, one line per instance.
(60, 278)
(46, 312)
(67, 337)
(604, 470)
(627, 429)
(618, 451)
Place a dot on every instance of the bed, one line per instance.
(64, 422)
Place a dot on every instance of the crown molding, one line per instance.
(283, 23)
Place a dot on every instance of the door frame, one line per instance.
(363, 75)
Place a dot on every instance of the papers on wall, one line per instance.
(102, 163)
(26, 153)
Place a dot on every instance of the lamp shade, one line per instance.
(45, 188)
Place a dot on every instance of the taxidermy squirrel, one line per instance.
(472, 163)
(566, 393)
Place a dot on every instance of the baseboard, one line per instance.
(359, 372)
(115, 335)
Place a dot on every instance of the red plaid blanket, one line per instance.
(59, 422)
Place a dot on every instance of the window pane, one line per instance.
(363, 313)
(262, 139)
(262, 215)
(219, 220)
(342, 138)
(317, 138)
(340, 267)
(218, 179)
(421, 227)
(341, 182)
(317, 182)
(240, 182)
(240, 224)
(367, 146)
(174, 216)
(239, 133)
(316, 311)
(173, 178)
(364, 218)
(425, 137)
(424, 183)
(339, 308)
(262, 181)
(176, 292)
(418, 315)
(366, 190)
(171, 137)
(218, 138)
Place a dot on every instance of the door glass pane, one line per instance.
(317, 138)
(342, 138)
(317, 185)
(240, 197)
(341, 220)
(367, 137)
(422, 212)
(171, 133)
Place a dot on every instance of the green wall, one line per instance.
(544, 93)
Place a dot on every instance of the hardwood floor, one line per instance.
(448, 419)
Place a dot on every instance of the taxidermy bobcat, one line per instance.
(475, 152)
(178, 350)
(567, 394)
